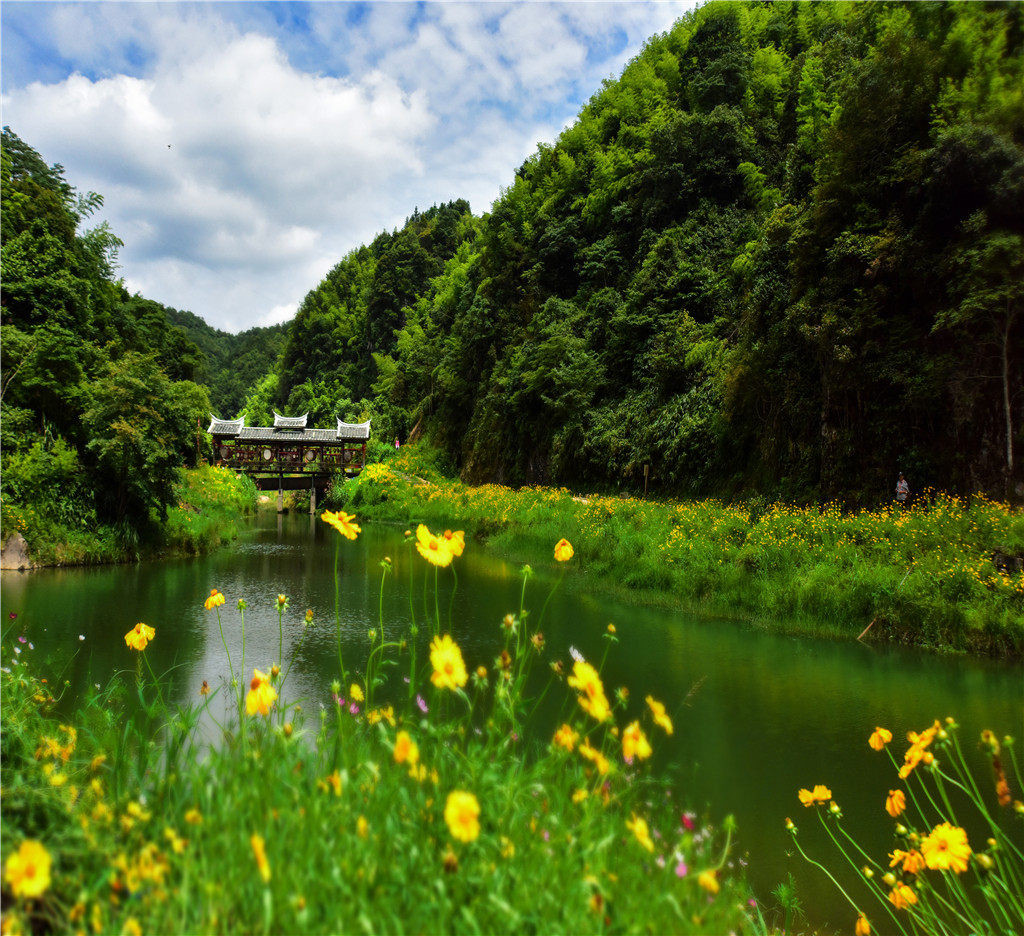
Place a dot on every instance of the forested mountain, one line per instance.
(230, 364)
(783, 251)
(99, 407)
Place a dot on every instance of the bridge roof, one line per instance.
(288, 435)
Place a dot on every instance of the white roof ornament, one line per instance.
(289, 422)
(354, 430)
(223, 427)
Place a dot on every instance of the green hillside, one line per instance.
(781, 252)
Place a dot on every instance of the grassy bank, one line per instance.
(435, 809)
(208, 504)
(926, 575)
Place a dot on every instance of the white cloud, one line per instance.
(238, 178)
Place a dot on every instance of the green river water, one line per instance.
(757, 715)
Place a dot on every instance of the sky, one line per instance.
(242, 149)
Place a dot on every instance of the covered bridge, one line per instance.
(307, 456)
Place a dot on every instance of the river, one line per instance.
(757, 715)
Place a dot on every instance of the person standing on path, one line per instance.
(902, 490)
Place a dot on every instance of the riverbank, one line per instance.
(933, 576)
(209, 503)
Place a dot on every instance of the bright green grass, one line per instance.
(151, 829)
(209, 502)
(925, 575)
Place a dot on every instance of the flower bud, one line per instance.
(275, 671)
(867, 872)
(889, 879)
(984, 861)
(336, 687)
(789, 825)
(288, 729)
(901, 829)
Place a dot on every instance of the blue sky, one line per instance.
(243, 148)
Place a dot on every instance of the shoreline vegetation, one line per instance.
(207, 505)
(938, 576)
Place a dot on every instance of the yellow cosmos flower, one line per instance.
(433, 548)
(27, 871)
(355, 693)
(342, 522)
(140, 635)
(563, 550)
(215, 600)
(456, 542)
(406, 749)
(596, 757)
(912, 861)
(946, 849)
(592, 700)
(462, 812)
(895, 803)
(449, 668)
(862, 927)
(880, 737)
(638, 826)
(709, 881)
(634, 743)
(261, 695)
(565, 737)
(259, 852)
(902, 896)
(819, 795)
(660, 717)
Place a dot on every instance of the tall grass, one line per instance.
(928, 575)
(373, 806)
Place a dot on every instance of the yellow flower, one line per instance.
(362, 827)
(261, 695)
(27, 871)
(594, 755)
(456, 541)
(215, 600)
(342, 522)
(132, 927)
(895, 803)
(260, 854)
(634, 743)
(913, 861)
(902, 896)
(333, 782)
(193, 816)
(566, 737)
(461, 812)
(580, 795)
(434, 549)
(862, 927)
(660, 718)
(709, 881)
(406, 749)
(593, 700)
(563, 550)
(449, 668)
(508, 848)
(355, 692)
(820, 794)
(946, 849)
(880, 737)
(638, 827)
(140, 635)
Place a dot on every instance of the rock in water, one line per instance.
(14, 554)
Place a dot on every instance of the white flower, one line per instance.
(81, 636)
(576, 655)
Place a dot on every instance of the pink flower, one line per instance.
(339, 701)
(547, 835)
(421, 703)
(688, 823)
(353, 709)
(681, 869)
(21, 640)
